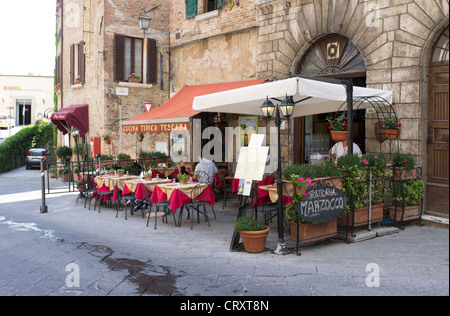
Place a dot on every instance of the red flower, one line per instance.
(399, 125)
(335, 167)
(345, 123)
(330, 127)
(381, 125)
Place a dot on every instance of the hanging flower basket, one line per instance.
(391, 133)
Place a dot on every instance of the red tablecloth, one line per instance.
(104, 188)
(141, 191)
(157, 173)
(178, 198)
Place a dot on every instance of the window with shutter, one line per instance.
(77, 63)
(191, 8)
(152, 60)
(128, 57)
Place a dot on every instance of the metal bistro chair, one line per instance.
(196, 191)
(165, 205)
(203, 177)
(266, 208)
(89, 193)
(102, 195)
(125, 200)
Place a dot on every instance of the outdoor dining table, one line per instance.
(111, 183)
(142, 188)
(273, 193)
(178, 194)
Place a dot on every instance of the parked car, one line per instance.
(34, 157)
(6, 120)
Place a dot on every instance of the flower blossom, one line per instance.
(300, 179)
(365, 161)
(308, 180)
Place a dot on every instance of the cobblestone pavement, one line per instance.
(72, 250)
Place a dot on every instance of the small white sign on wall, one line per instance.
(121, 91)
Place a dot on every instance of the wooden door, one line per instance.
(437, 185)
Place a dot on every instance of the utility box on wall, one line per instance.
(96, 146)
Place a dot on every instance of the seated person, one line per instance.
(184, 167)
(205, 170)
(341, 148)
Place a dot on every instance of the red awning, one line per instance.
(72, 116)
(177, 111)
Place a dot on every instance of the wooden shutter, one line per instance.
(81, 62)
(191, 8)
(119, 57)
(152, 61)
(72, 63)
(219, 4)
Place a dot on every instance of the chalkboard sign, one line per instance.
(321, 204)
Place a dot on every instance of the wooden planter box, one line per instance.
(411, 212)
(362, 215)
(313, 232)
(405, 174)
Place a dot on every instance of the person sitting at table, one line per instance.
(205, 170)
(184, 167)
(341, 148)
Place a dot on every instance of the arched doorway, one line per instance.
(437, 185)
(333, 56)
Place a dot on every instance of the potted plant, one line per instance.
(407, 196)
(338, 127)
(64, 153)
(363, 190)
(140, 137)
(253, 232)
(391, 125)
(404, 168)
(107, 139)
(120, 172)
(63, 174)
(53, 172)
(81, 186)
(134, 78)
(77, 80)
(183, 178)
(307, 232)
(298, 177)
(111, 172)
(148, 176)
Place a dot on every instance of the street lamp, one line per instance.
(144, 22)
(76, 134)
(286, 108)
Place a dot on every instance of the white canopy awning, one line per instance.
(320, 97)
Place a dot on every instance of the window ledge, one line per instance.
(135, 85)
(77, 86)
(207, 15)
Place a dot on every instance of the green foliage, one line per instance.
(64, 153)
(152, 154)
(403, 160)
(337, 123)
(14, 149)
(106, 157)
(305, 171)
(245, 223)
(411, 193)
(183, 176)
(123, 156)
(391, 122)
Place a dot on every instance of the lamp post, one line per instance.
(144, 22)
(76, 134)
(283, 111)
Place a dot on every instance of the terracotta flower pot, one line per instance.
(134, 80)
(148, 178)
(183, 181)
(107, 141)
(339, 136)
(391, 133)
(140, 139)
(121, 174)
(411, 212)
(255, 241)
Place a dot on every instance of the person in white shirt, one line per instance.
(340, 148)
(205, 170)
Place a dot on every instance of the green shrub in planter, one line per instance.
(403, 160)
(64, 153)
(123, 156)
(245, 223)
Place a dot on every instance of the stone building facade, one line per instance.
(394, 45)
(87, 46)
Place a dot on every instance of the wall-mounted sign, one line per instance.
(154, 128)
(321, 204)
(121, 91)
(148, 106)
